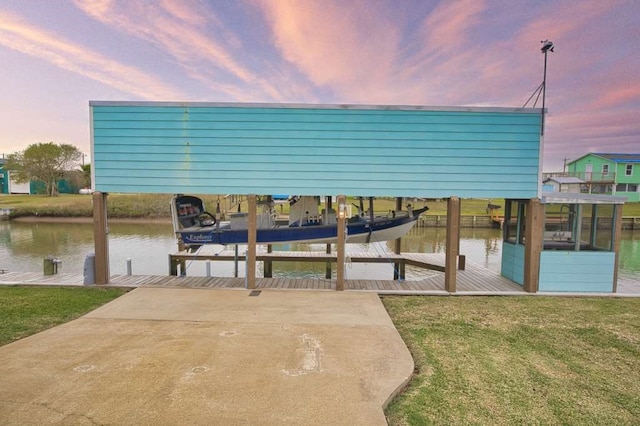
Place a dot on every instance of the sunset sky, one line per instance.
(56, 56)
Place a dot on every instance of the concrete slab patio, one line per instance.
(191, 356)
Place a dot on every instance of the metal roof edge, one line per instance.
(602, 154)
(519, 110)
(616, 154)
(579, 198)
(586, 155)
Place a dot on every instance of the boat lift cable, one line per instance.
(195, 256)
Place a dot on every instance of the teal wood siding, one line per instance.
(513, 262)
(315, 150)
(576, 271)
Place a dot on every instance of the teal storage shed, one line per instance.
(214, 148)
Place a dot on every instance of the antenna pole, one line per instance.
(544, 92)
(546, 47)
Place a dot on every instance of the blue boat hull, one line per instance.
(381, 229)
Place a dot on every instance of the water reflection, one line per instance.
(629, 257)
(24, 245)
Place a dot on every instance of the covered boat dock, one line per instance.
(448, 153)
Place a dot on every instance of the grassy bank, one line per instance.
(528, 360)
(157, 205)
(74, 205)
(28, 310)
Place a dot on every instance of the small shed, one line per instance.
(564, 184)
(564, 242)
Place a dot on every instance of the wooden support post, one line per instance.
(268, 264)
(397, 246)
(577, 220)
(181, 263)
(328, 203)
(371, 213)
(251, 240)
(533, 234)
(462, 260)
(173, 266)
(235, 261)
(617, 235)
(594, 225)
(341, 242)
(101, 237)
(451, 249)
(328, 264)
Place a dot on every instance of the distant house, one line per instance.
(606, 173)
(564, 184)
(4, 178)
(10, 186)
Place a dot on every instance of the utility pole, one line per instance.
(564, 164)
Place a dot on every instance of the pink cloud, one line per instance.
(620, 94)
(19, 35)
(346, 46)
(450, 25)
(179, 28)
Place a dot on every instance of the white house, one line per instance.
(564, 184)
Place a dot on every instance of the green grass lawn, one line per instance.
(525, 360)
(28, 310)
(479, 360)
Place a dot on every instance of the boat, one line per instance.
(195, 226)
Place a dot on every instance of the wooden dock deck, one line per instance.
(474, 280)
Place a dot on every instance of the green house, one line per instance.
(607, 173)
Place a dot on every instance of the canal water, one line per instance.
(23, 246)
